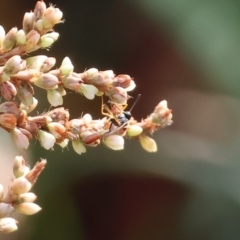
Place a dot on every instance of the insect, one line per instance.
(118, 118)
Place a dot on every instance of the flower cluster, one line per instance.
(18, 198)
(19, 75)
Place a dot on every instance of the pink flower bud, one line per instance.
(118, 95)
(148, 143)
(47, 140)
(122, 80)
(78, 147)
(66, 68)
(39, 10)
(72, 82)
(32, 40)
(8, 91)
(27, 197)
(115, 142)
(100, 79)
(28, 208)
(20, 185)
(10, 39)
(25, 96)
(14, 65)
(5, 210)
(8, 225)
(28, 22)
(48, 64)
(8, 121)
(46, 81)
(19, 139)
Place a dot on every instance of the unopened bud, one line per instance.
(88, 91)
(8, 225)
(28, 22)
(46, 81)
(21, 37)
(122, 80)
(131, 86)
(20, 139)
(54, 97)
(8, 90)
(78, 147)
(27, 208)
(31, 107)
(39, 10)
(134, 130)
(19, 165)
(36, 62)
(118, 95)
(48, 39)
(47, 140)
(25, 96)
(56, 129)
(66, 68)
(14, 65)
(2, 36)
(10, 39)
(51, 17)
(32, 40)
(72, 82)
(20, 185)
(5, 210)
(8, 121)
(48, 64)
(115, 142)
(27, 197)
(91, 71)
(148, 143)
(100, 79)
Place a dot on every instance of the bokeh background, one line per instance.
(184, 51)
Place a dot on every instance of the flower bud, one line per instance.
(47, 140)
(32, 40)
(51, 17)
(10, 39)
(31, 107)
(28, 22)
(8, 90)
(20, 185)
(5, 210)
(25, 96)
(48, 39)
(56, 129)
(48, 64)
(88, 91)
(118, 95)
(1, 192)
(122, 80)
(39, 10)
(78, 147)
(8, 225)
(39, 25)
(14, 65)
(19, 139)
(100, 79)
(134, 130)
(131, 86)
(54, 97)
(46, 81)
(2, 36)
(115, 142)
(27, 197)
(8, 121)
(28, 208)
(72, 82)
(148, 143)
(66, 68)
(21, 37)
(19, 165)
(91, 71)
(36, 62)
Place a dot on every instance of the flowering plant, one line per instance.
(20, 73)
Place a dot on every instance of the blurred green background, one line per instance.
(186, 52)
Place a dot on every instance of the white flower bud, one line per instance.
(78, 147)
(91, 71)
(114, 142)
(51, 17)
(148, 143)
(8, 225)
(31, 107)
(10, 39)
(5, 210)
(134, 130)
(21, 37)
(19, 165)
(27, 197)
(28, 22)
(47, 140)
(88, 91)
(19, 139)
(54, 97)
(48, 39)
(2, 35)
(28, 208)
(131, 86)
(66, 68)
(14, 65)
(20, 185)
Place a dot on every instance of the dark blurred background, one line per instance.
(184, 51)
